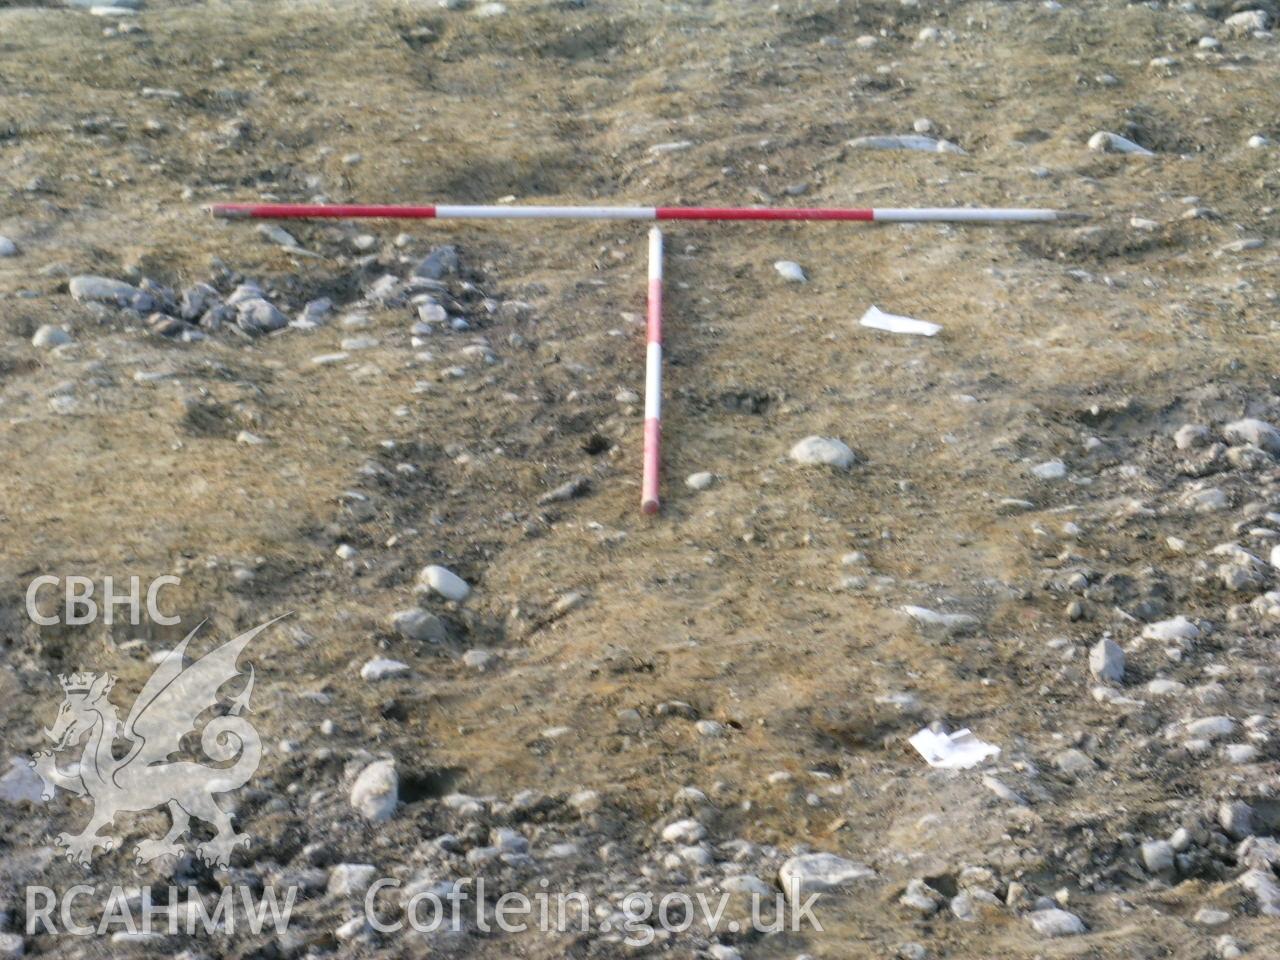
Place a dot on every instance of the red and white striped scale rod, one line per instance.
(349, 211)
(653, 379)
(649, 499)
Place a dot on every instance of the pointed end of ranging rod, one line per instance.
(228, 211)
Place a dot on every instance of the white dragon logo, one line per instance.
(165, 711)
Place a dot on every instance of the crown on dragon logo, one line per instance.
(77, 682)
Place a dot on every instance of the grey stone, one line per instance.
(116, 293)
(439, 263)
(1191, 436)
(570, 490)
(1211, 728)
(49, 336)
(823, 451)
(921, 898)
(382, 668)
(197, 300)
(260, 316)
(8, 248)
(1056, 923)
(1247, 22)
(1157, 856)
(351, 879)
(1236, 818)
(1106, 142)
(1050, 470)
(1258, 433)
(419, 626)
(1106, 661)
(1074, 762)
(376, 791)
(817, 873)
(444, 582)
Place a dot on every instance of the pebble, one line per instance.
(11, 946)
(1056, 923)
(1209, 917)
(437, 264)
(274, 233)
(699, 481)
(1167, 631)
(478, 659)
(790, 271)
(921, 898)
(7, 247)
(1106, 661)
(1003, 791)
(569, 490)
(1247, 22)
(1240, 753)
(445, 582)
(747, 883)
(1105, 142)
(1258, 433)
(1050, 470)
(1211, 728)
(823, 451)
(1239, 246)
(1236, 818)
(585, 801)
(257, 315)
(709, 728)
(313, 314)
(49, 336)
(376, 791)
(1191, 436)
(1157, 856)
(351, 930)
(952, 624)
(818, 872)
(117, 293)
(382, 668)
(687, 831)
(905, 141)
(1074, 762)
(419, 626)
(1257, 142)
(351, 879)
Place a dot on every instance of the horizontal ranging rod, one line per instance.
(344, 211)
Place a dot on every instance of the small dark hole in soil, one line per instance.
(945, 884)
(394, 710)
(597, 444)
(429, 785)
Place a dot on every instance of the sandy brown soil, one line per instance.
(733, 601)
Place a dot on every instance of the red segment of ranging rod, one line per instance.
(653, 379)
(346, 211)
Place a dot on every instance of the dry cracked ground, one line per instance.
(1057, 529)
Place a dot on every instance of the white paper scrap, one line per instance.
(877, 319)
(952, 751)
